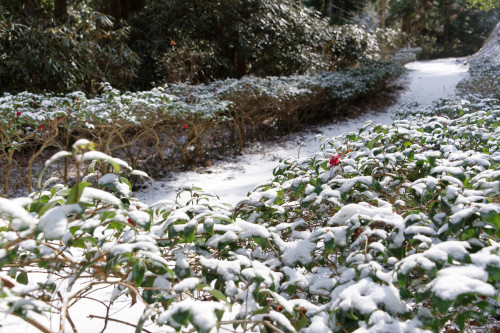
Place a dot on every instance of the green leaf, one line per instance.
(44, 264)
(460, 321)
(76, 193)
(182, 317)
(402, 280)
(491, 216)
(208, 225)
(41, 209)
(189, 231)
(141, 322)
(487, 307)
(219, 295)
(82, 242)
(411, 155)
(351, 137)
(159, 268)
(493, 273)
(291, 289)
(219, 314)
(22, 277)
(351, 314)
(126, 181)
(329, 245)
(262, 310)
(441, 305)
(301, 323)
(432, 161)
(172, 232)
(138, 271)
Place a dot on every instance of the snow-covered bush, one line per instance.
(392, 228)
(175, 123)
(483, 80)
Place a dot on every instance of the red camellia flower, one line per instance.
(40, 127)
(18, 113)
(131, 222)
(334, 160)
(185, 126)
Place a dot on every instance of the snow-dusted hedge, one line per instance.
(483, 80)
(176, 123)
(393, 228)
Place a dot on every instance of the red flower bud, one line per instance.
(40, 127)
(335, 160)
(18, 113)
(131, 222)
(185, 126)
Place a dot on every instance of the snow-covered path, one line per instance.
(231, 180)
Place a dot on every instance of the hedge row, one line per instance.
(175, 124)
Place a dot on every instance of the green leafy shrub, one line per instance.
(391, 228)
(196, 41)
(77, 55)
(174, 124)
(483, 80)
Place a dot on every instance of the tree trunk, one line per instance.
(406, 26)
(129, 7)
(112, 8)
(382, 14)
(122, 9)
(61, 10)
(329, 9)
(32, 11)
(446, 28)
(426, 7)
(383, 51)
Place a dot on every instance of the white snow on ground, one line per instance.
(426, 81)
(232, 180)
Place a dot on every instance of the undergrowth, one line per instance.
(178, 124)
(391, 228)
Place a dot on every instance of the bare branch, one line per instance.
(118, 321)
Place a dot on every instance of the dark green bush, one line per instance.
(64, 57)
(199, 41)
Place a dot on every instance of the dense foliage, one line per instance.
(442, 28)
(77, 55)
(390, 228)
(483, 80)
(173, 41)
(67, 45)
(198, 41)
(174, 124)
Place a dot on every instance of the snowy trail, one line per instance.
(232, 180)
(426, 81)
